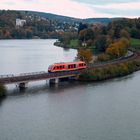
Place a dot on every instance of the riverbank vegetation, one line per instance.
(110, 71)
(2, 91)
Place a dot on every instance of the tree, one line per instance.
(87, 35)
(118, 48)
(101, 43)
(85, 55)
(2, 90)
(82, 27)
(124, 33)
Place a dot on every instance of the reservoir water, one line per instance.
(108, 110)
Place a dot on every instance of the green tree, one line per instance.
(101, 43)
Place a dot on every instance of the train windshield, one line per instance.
(50, 67)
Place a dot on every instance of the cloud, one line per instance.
(130, 9)
(104, 2)
(62, 7)
(121, 6)
(77, 8)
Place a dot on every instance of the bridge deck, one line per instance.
(10, 79)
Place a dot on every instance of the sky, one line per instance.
(78, 8)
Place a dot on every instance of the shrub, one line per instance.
(2, 91)
(103, 57)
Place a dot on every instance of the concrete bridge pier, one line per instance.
(23, 85)
(54, 81)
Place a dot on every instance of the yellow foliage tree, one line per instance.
(118, 48)
(85, 55)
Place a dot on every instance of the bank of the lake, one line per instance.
(110, 71)
(73, 44)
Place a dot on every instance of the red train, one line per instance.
(68, 66)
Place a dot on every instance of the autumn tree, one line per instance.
(118, 49)
(85, 55)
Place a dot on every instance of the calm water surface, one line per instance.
(107, 110)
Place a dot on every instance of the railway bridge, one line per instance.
(24, 78)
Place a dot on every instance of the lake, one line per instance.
(108, 110)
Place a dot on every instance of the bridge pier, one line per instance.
(23, 85)
(54, 81)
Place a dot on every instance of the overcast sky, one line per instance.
(78, 8)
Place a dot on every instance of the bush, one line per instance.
(103, 57)
(2, 91)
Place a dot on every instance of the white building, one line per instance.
(20, 22)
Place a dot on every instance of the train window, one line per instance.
(57, 67)
(74, 65)
(54, 68)
(61, 67)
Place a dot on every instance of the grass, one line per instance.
(135, 42)
(74, 43)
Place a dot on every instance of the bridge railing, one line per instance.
(7, 76)
(21, 74)
(31, 73)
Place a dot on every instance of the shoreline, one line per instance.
(110, 71)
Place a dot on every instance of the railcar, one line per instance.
(67, 66)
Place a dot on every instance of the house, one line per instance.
(20, 22)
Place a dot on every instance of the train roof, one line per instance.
(75, 62)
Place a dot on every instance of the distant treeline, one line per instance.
(100, 36)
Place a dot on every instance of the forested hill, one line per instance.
(59, 18)
(71, 19)
(99, 20)
(20, 25)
